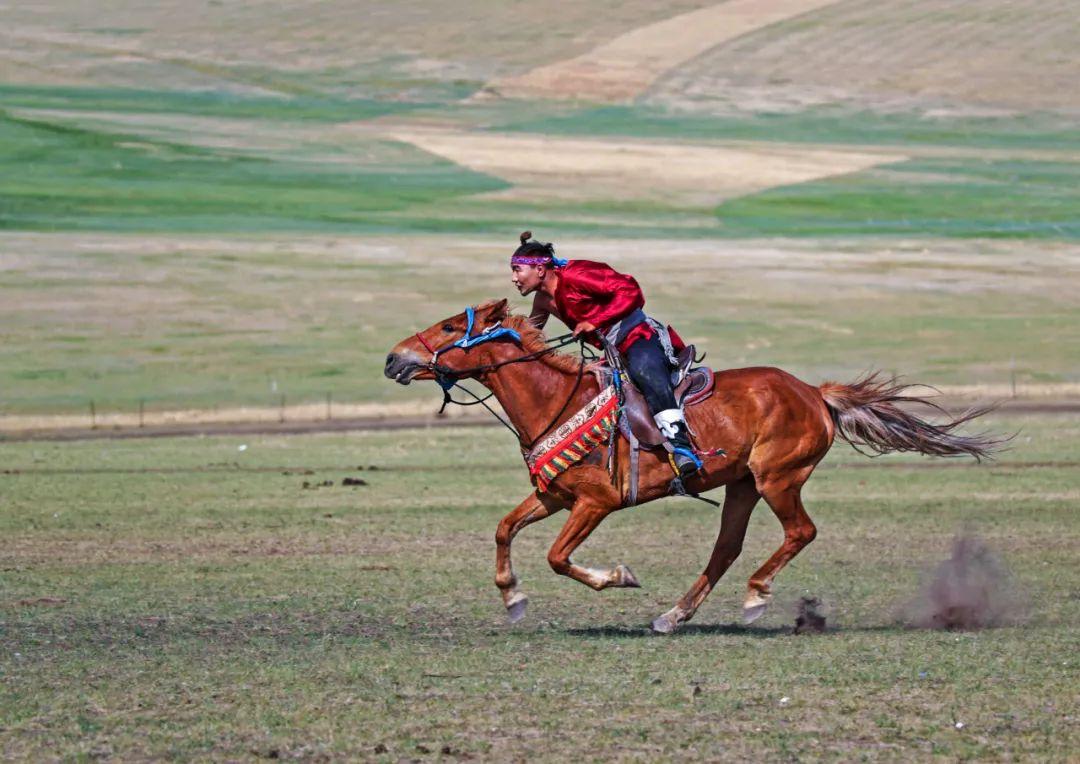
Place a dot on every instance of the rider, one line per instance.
(592, 298)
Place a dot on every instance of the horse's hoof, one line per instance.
(515, 611)
(755, 607)
(625, 578)
(671, 621)
(665, 625)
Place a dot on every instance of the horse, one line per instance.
(773, 430)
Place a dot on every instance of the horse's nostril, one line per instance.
(389, 360)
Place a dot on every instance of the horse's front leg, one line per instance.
(584, 517)
(528, 511)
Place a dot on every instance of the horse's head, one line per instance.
(445, 345)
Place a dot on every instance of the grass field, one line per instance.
(185, 322)
(99, 177)
(183, 598)
(225, 242)
(197, 250)
(996, 54)
(205, 209)
(125, 160)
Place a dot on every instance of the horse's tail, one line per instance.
(865, 414)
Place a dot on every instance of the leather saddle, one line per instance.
(692, 385)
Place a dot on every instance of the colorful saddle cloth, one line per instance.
(574, 439)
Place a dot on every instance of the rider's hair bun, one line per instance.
(525, 236)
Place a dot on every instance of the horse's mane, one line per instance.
(534, 340)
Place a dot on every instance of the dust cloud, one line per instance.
(973, 589)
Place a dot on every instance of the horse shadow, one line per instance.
(715, 629)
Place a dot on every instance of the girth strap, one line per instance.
(635, 451)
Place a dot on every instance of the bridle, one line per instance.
(493, 332)
(448, 378)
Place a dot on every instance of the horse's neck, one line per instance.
(532, 393)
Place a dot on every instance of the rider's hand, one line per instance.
(583, 328)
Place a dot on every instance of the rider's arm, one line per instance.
(539, 315)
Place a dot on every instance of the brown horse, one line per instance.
(773, 428)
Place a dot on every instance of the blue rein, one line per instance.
(493, 332)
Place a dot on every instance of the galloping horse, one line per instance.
(773, 428)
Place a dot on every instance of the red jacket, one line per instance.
(595, 292)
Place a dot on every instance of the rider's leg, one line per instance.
(649, 369)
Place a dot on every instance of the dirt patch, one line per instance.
(307, 484)
(542, 166)
(626, 66)
(973, 589)
(40, 601)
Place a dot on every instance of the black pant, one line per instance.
(648, 366)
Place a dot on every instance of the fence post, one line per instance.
(142, 406)
(329, 398)
(281, 410)
(93, 416)
(1012, 375)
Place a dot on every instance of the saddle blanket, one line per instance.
(574, 439)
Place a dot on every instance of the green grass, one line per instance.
(937, 197)
(206, 605)
(959, 196)
(813, 125)
(137, 160)
(202, 103)
(56, 176)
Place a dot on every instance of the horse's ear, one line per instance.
(497, 310)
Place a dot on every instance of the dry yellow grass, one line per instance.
(1017, 54)
(316, 412)
(742, 53)
(235, 45)
(626, 66)
(305, 412)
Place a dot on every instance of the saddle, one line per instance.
(692, 386)
(636, 423)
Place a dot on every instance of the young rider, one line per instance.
(592, 298)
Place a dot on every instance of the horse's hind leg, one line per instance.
(584, 518)
(525, 513)
(739, 501)
(783, 496)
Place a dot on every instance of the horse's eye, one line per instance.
(447, 328)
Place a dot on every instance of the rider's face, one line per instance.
(526, 278)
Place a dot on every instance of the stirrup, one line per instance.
(677, 487)
(681, 471)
